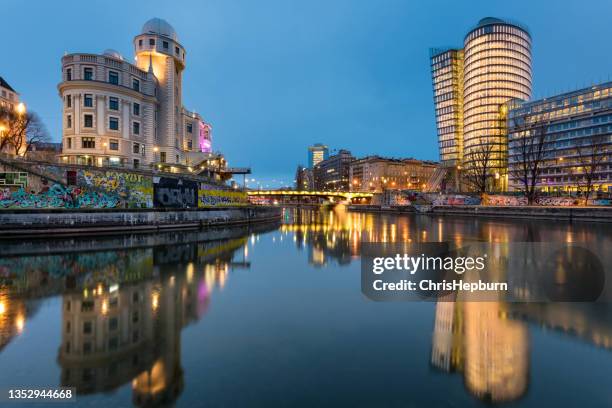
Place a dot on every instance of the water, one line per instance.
(274, 316)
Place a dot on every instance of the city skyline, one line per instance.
(262, 73)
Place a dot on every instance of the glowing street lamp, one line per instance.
(21, 108)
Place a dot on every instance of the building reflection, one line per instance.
(121, 331)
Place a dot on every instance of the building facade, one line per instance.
(377, 174)
(316, 154)
(470, 87)
(447, 77)
(9, 98)
(577, 139)
(332, 174)
(116, 113)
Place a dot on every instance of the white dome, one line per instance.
(113, 53)
(159, 26)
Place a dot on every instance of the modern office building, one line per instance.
(9, 98)
(470, 87)
(124, 114)
(447, 76)
(316, 154)
(332, 174)
(376, 174)
(578, 138)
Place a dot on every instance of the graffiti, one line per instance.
(175, 193)
(454, 199)
(19, 179)
(211, 198)
(57, 196)
(134, 189)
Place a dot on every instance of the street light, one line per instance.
(21, 108)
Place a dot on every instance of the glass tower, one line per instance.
(447, 77)
(471, 86)
(497, 68)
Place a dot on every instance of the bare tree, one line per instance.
(21, 131)
(591, 153)
(479, 165)
(530, 151)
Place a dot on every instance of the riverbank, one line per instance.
(28, 222)
(587, 214)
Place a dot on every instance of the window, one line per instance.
(151, 41)
(177, 158)
(136, 163)
(162, 157)
(113, 323)
(165, 44)
(86, 349)
(69, 101)
(177, 50)
(88, 100)
(113, 77)
(190, 128)
(189, 144)
(88, 142)
(136, 109)
(135, 84)
(88, 121)
(69, 121)
(140, 43)
(113, 123)
(88, 74)
(142, 150)
(136, 128)
(87, 328)
(69, 74)
(136, 148)
(114, 144)
(113, 103)
(69, 143)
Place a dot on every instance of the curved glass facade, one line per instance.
(497, 68)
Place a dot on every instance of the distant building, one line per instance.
(304, 180)
(578, 129)
(48, 152)
(116, 113)
(9, 98)
(316, 154)
(332, 174)
(470, 85)
(375, 173)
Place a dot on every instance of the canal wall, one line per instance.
(34, 184)
(589, 214)
(87, 221)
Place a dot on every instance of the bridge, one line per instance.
(297, 195)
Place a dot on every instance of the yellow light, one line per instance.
(155, 149)
(104, 307)
(21, 108)
(2, 308)
(560, 158)
(155, 301)
(20, 323)
(2, 128)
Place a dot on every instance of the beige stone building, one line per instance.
(8, 96)
(376, 174)
(118, 113)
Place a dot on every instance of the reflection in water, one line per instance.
(124, 307)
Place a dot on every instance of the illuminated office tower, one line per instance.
(497, 69)
(470, 87)
(447, 77)
(316, 154)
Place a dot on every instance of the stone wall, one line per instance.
(44, 185)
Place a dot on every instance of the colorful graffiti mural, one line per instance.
(57, 196)
(211, 198)
(175, 193)
(135, 190)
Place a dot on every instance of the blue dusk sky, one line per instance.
(275, 76)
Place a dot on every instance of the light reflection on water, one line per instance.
(122, 339)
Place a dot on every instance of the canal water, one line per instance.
(274, 316)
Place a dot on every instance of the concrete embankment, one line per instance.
(589, 214)
(38, 222)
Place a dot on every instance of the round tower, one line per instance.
(158, 50)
